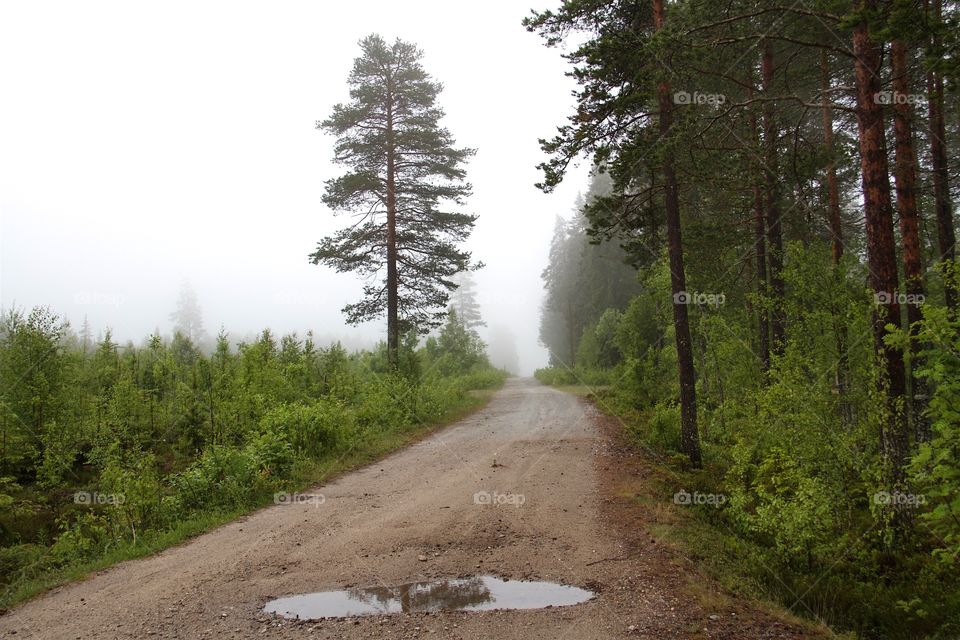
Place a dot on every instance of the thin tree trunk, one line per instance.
(881, 249)
(760, 248)
(689, 436)
(213, 422)
(393, 326)
(836, 232)
(833, 191)
(906, 184)
(938, 153)
(774, 233)
(761, 251)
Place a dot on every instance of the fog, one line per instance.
(145, 145)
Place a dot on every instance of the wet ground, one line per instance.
(478, 593)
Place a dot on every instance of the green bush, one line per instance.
(935, 469)
(20, 560)
(136, 494)
(311, 429)
(270, 452)
(599, 346)
(80, 539)
(223, 477)
(555, 376)
(481, 378)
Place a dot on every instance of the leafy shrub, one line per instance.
(786, 505)
(935, 468)
(222, 477)
(80, 539)
(481, 378)
(20, 559)
(664, 425)
(270, 453)
(386, 404)
(599, 347)
(140, 493)
(311, 429)
(555, 376)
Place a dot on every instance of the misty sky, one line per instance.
(144, 144)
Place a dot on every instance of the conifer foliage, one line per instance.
(405, 178)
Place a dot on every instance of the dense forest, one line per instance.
(779, 181)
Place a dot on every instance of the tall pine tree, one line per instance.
(404, 176)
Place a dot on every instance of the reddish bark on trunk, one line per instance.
(689, 435)
(946, 240)
(881, 249)
(905, 177)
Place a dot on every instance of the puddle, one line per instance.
(481, 593)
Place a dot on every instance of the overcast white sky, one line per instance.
(142, 144)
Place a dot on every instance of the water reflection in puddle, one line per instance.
(480, 593)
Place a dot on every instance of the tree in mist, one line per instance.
(457, 348)
(585, 274)
(405, 175)
(188, 317)
(562, 316)
(86, 335)
(464, 300)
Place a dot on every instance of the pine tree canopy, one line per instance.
(389, 134)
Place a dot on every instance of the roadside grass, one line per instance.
(841, 599)
(583, 390)
(735, 566)
(318, 471)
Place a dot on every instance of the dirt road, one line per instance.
(413, 516)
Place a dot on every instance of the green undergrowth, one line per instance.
(38, 576)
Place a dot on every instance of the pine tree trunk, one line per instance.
(906, 184)
(774, 233)
(760, 248)
(833, 191)
(881, 249)
(393, 326)
(761, 251)
(689, 436)
(938, 156)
